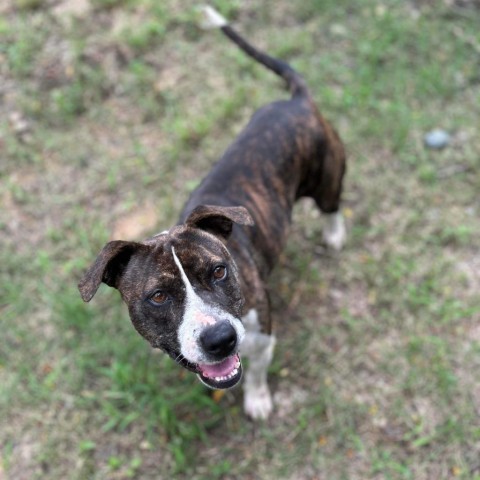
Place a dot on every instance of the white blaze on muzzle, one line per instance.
(197, 316)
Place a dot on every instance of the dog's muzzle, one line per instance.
(220, 342)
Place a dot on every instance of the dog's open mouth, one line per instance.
(221, 375)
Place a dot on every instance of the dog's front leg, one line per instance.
(258, 348)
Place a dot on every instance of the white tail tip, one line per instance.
(210, 18)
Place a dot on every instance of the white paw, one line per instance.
(335, 241)
(258, 403)
(335, 233)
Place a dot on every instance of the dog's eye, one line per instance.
(220, 272)
(158, 298)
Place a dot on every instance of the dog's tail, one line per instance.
(295, 82)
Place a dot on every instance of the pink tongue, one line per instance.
(219, 369)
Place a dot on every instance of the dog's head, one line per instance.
(183, 291)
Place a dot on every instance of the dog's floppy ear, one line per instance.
(218, 220)
(107, 268)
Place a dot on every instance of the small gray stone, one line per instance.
(436, 139)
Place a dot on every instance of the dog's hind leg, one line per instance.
(258, 348)
(334, 231)
(328, 195)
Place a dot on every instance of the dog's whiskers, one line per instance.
(180, 357)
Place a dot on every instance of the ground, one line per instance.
(111, 113)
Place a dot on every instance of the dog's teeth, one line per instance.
(229, 376)
(224, 378)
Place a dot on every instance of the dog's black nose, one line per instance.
(219, 340)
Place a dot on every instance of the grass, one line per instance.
(116, 112)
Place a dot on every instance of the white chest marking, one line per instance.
(255, 341)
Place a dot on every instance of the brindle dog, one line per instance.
(198, 291)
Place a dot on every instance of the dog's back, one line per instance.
(285, 152)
